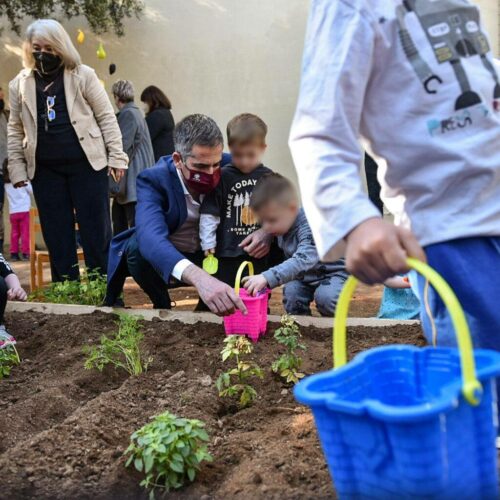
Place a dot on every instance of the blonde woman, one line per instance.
(64, 137)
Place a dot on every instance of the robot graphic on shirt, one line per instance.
(453, 30)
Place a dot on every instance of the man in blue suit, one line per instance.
(164, 246)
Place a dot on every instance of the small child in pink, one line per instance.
(19, 210)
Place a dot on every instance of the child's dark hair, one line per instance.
(272, 187)
(246, 129)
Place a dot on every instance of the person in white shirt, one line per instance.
(414, 82)
(19, 216)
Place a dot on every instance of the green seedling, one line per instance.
(288, 364)
(234, 382)
(90, 290)
(168, 451)
(9, 358)
(123, 350)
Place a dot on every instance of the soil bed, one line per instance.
(63, 429)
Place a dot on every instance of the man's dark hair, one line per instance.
(272, 187)
(196, 130)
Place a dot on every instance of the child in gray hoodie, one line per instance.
(306, 279)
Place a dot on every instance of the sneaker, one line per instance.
(6, 339)
(14, 257)
(26, 256)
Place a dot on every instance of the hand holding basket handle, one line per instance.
(471, 387)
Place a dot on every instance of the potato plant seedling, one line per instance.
(235, 382)
(168, 451)
(123, 350)
(289, 363)
(9, 358)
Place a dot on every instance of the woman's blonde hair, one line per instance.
(52, 33)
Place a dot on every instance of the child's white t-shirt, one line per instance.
(19, 198)
(416, 81)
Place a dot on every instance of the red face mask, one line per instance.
(201, 182)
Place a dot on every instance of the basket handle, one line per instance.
(471, 388)
(237, 282)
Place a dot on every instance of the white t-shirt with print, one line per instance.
(414, 82)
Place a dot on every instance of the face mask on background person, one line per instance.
(201, 182)
(46, 63)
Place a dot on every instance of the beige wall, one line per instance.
(219, 57)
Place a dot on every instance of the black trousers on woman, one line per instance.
(61, 193)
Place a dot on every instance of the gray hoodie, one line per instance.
(302, 261)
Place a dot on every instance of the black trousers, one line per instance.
(61, 191)
(149, 280)
(123, 216)
(3, 298)
(372, 182)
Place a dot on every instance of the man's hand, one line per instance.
(377, 250)
(210, 251)
(219, 297)
(254, 284)
(21, 184)
(116, 173)
(257, 244)
(17, 293)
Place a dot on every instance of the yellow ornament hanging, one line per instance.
(101, 53)
(81, 37)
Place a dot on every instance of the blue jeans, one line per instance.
(298, 295)
(471, 266)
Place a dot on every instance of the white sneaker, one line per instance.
(6, 339)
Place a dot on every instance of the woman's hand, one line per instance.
(116, 173)
(17, 293)
(20, 184)
(254, 284)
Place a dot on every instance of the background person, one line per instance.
(160, 121)
(137, 145)
(19, 216)
(63, 135)
(165, 244)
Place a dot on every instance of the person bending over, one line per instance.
(306, 279)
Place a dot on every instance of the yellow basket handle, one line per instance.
(237, 282)
(471, 388)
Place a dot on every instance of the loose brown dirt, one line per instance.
(63, 429)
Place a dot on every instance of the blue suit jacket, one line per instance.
(161, 210)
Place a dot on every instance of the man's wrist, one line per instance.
(179, 269)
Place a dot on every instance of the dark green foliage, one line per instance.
(102, 15)
(168, 451)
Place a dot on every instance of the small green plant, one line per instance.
(89, 291)
(9, 358)
(123, 350)
(289, 363)
(238, 347)
(169, 451)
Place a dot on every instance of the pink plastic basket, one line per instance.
(254, 324)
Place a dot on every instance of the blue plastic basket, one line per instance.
(403, 422)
